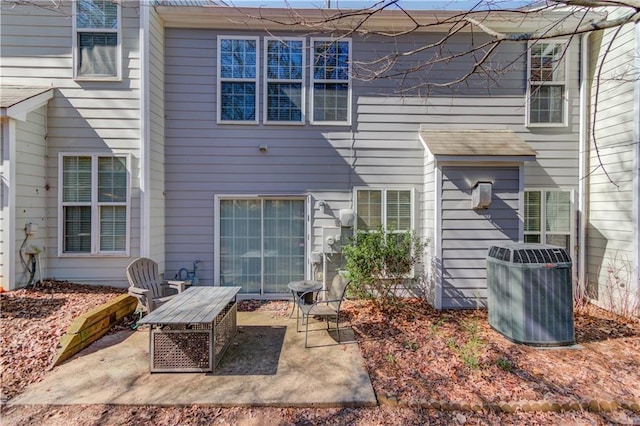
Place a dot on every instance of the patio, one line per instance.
(266, 365)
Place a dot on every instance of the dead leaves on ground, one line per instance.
(418, 353)
(31, 324)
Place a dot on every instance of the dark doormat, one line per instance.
(255, 351)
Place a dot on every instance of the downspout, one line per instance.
(636, 164)
(583, 155)
(145, 134)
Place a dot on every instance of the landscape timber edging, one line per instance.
(593, 405)
(90, 326)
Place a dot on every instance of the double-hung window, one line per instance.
(237, 79)
(547, 89)
(97, 42)
(94, 211)
(284, 60)
(548, 217)
(391, 209)
(331, 81)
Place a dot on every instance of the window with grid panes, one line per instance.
(284, 80)
(97, 39)
(331, 81)
(547, 83)
(390, 208)
(95, 203)
(547, 217)
(237, 79)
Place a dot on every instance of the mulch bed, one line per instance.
(413, 354)
(417, 353)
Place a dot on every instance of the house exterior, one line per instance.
(180, 132)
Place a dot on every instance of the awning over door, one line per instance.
(477, 144)
(17, 101)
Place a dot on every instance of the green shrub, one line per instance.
(378, 263)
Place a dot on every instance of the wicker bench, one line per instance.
(191, 332)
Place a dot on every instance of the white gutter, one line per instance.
(145, 135)
(583, 153)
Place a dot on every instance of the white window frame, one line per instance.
(543, 216)
(268, 80)
(314, 81)
(384, 191)
(238, 196)
(564, 83)
(221, 79)
(95, 210)
(76, 48)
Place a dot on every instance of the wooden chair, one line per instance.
(146, 286)
(328, 307)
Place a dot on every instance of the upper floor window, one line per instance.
(284, 80)
(331, 81)
(547, 88)
(391, 209)
(237, 79)
(547, 217)
(97, 39)
(94, 208)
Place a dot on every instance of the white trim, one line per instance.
(75, 47)
(9, 203)
(437, 239)
(312, 82)
(20, 110)
(216, 240)
(497, 159)
(583, 153)
(145, 136)
(266, 81)
(565, 101)
(219, 80)
(94, 204)
(520, 212)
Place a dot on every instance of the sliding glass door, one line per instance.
(262, 243)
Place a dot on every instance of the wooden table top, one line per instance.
(195, 305)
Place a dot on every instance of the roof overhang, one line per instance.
(17, 101)
(361, 21)
(477, 145)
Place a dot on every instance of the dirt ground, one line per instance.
(415, 356)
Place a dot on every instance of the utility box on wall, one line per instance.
(331, 236)
(481, 195)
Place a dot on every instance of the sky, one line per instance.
(407, 4)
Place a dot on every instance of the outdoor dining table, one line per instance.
(303, 288)
(191, 332)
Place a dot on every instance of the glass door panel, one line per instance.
(262, 244)
(240, 244)
(284, 245)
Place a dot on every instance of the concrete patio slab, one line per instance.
(266, 365)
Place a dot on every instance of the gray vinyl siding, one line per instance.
(30, 201)
(83, 116)
(204, 159)
(467, 234)
(156, 93)
(612, 218)
(380, 148)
